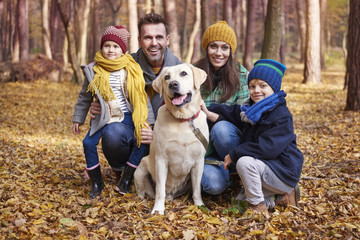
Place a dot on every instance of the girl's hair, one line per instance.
(229, 83)
(152, 18)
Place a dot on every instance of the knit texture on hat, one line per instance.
(118, 34)
(269, 71)
(219, 31)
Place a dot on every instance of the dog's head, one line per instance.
(180, 86)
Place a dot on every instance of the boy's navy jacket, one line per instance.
(271, 140)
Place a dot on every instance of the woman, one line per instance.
(226, 84)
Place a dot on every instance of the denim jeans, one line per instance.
(225, 136)
(118, 144)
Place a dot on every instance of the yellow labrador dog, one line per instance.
(176, 153)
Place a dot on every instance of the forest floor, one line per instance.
(44, 195)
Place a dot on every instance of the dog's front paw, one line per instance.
(199, 203)
(157, 211)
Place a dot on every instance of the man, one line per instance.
(153, 55)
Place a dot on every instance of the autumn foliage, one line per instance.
(44, 195)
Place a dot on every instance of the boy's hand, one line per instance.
(227, 161)
(95, 109)
(146, 134)
(76, 128)
(210, 115)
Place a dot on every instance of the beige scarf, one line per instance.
(135, 86)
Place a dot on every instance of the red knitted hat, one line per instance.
(118, 34)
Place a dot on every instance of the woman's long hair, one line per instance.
(229, 82)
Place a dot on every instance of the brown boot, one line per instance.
(290, 198)
(261, 207)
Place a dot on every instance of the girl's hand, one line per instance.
(146, 134)
(227, 161)
(76, 128)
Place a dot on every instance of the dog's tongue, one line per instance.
(178, 100)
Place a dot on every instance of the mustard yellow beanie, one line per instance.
(219, 31)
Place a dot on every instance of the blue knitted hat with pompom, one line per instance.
(269, 71)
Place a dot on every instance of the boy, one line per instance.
(117, 81)
(267, 160)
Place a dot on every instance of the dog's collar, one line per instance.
(192, 118)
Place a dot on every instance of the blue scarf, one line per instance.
(252, 113)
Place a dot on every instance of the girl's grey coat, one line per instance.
(85, 99)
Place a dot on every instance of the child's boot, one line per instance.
(291, 198)
(97, 182)
(123, 186)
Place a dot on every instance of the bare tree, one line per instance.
(194, 31)
(115, 7)
(134, 43)
(249, 38)
(5, 29)
(94, 38)
(187, 22)
(302, 27)
(227, 9)
(237, 24)
(22, 31)
(83, 23)
(205, 19)
(312, 70)
(67, 19)
(322, 32)
(353, 57)
(45, 28)
(171, 17)
(273, 30)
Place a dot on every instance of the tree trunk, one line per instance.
(115, 7)
(133, 30)
(95, 33)
(23, 28)
(171, 18)
(353, 57)
(249, 39)
(205, 19)
(194, 31)
(5, 29)
(45, 28)
(302, 27)
(322, 32)
(187, 22)
(69, 29)
(227, 9)
(237, 26)
(312, 70)
(243, 24)
(273, 29)
(83, 24)
(54, 29)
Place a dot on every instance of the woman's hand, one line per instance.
(76, 128)
(146, 134)
(95, 109)
(227, 161)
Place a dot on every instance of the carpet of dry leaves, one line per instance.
(44, 195)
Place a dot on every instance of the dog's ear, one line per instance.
(157, 83)
(199, 76)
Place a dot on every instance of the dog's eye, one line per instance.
(183, 73)
(167, 77)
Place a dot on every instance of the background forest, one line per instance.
(43, 193)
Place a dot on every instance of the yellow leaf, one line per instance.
(214, 220)
(39, 221)
(256, 232)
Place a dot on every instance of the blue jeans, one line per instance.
(225, 137)
(118, 144)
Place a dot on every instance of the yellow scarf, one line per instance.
(135, 86)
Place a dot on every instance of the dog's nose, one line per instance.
(174, 85)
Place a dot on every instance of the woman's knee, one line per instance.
(214, 181)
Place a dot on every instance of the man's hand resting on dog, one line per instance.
(146, 133)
